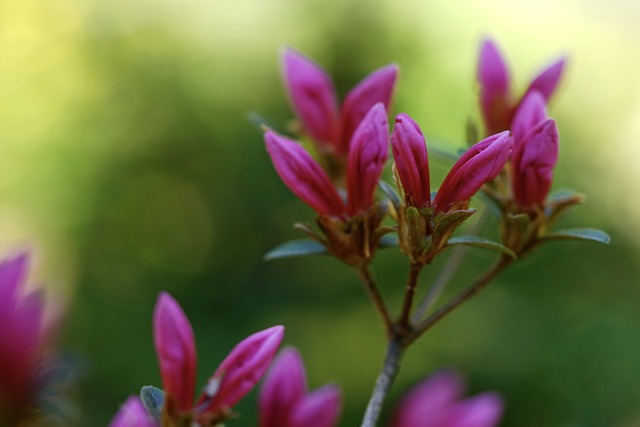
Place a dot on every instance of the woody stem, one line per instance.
(376, 297)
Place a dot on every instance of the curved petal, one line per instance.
(376, 87)
(547, 81)
(175, 347)
(479, 164)
(495, 95)
(531, 111)
(243, 367)
(312, 95)
(412, 163)
(303, 175)
(283, 386)
(132, 414)
(367, 156)
(483, 410)
(320, 408)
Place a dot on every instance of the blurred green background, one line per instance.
(129, 167)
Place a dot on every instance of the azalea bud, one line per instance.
(284, 401)
(531, 111)
(367, 156)
(547, 81)
(312, 95)
(376, 87)
(410, 155)
(175, 347)
(132, 414)
(303, 175)
(243, 368)
(437, 402)
(479, 164)
(495, 95)
(533, 163)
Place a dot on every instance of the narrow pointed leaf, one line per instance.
(588, 234)
(296, 248)
(153, 401)
(479, 242)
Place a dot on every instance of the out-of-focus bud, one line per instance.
(547, 81)
(132, 414)
(532, 110)
(495, 94)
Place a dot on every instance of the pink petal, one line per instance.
(533, 164)
(283, 386)
(495, 96)
(531, 111)
(303, 175)
(13, 272)
(483, 410)
(175, 347)
(479, 164)
(410, 154)
(132, 414)
(376, 87)
(547, 81)
(367, 156)
(243, 367)
(312, 95)
(320, 408)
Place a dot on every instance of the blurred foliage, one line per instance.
(130, 166)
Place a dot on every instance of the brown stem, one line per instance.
(375, 296)
(384, 382)
(409, 293)
(447, 308)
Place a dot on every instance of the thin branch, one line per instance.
(384, 382)
(447, 308)
(409, 293)
(375, 296)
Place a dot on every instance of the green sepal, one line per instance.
(391, 194)
(296, 248)
(153, 401)
(588, 234)
(448, 221)
(479, 242)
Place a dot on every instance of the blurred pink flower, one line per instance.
(305, 178)
(234, 378)
(315, 101)
(132, 414)
(285, 402)
(22, 337)
(497, 103)
(438, 402)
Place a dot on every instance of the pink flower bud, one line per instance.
(436, 403)
(132, 414)
(21, 337)
(547, 81)
(376, 87)
(495, 94)
(531, 111)
(368, 153)
(284, 401)
(175, 347)
(410, 154)
(533, 164)
(312, 95)
(243, 367)
(303, 175)
(479, 164)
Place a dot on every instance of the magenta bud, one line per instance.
(533, 164)
(410, 155)
(547, 81)
(304, 177)
(132, 414)
(284, 401)
(531, 111)
(495, 95)
(479, 164)
(436, 402)
(312, 95)
(175, 347)
(243, 367)
(368, 153)
(376, 87)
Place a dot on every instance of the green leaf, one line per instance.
(588, 234)
(390, 193)
(153, 401)
(479, 242)
(389, 241)
(294, 248)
